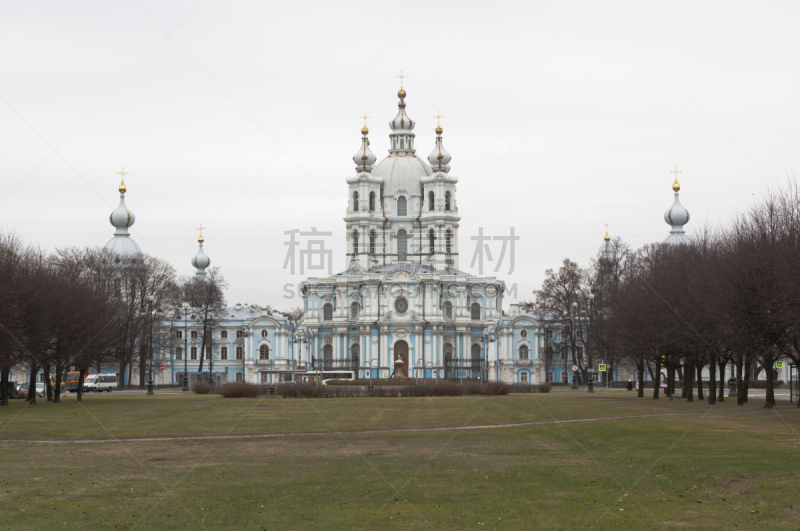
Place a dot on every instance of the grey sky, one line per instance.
(246, 119)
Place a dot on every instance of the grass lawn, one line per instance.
(339, 466)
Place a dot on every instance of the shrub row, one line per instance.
(523, 388)
(203, 388)
(754, 384)
(443, 388)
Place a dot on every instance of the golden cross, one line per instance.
(201, 229)
(365, 118)
(438, 119)
(676, 171)
(122, 173)
(401, 76)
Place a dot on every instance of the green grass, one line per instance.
(692, 466)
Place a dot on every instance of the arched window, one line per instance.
(327, 356)
(476, 351)
(264, 333)
(263, 352)
(355, 310)
(372, 242)
(355, 242)
(402, 245)
(447, 243)
(448, 310)
(372, 201)
(430, 200)
(355, 201)
(447, 200)
(523, 352)
(448, 351)
(327, 312)
(431, 239)
(355, 350)
(475, 311)
(523, 333)
(402, 206)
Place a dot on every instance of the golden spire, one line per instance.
(122, 173)
(676, 186)
(606, 237)
(438, 122)
(402, 93)
(201, 229)
(364, 130)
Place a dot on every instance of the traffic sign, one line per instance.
(162, 367)
(601, 367)
(601, 361)
(574, 367)
(779, 365)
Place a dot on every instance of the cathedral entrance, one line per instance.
(401, 355)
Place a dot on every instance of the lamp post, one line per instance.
(574, 353)
(244, 353)
(211, 355)
(185, 312)
(563, 349)
(373, 360)
(591, 361)
(151, 299)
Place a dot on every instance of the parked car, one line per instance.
(40, 390)
(12, 390)
(100, 382)
(22, 390)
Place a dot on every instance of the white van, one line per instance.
(100, 382)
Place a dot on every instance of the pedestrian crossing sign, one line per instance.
(779, 365)
(601, 367)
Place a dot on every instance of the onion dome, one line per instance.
(439, 157)
(200, 260)
(364, 158)
(402, 122)
(676, 216)
(121, 244)
(606, 256)
(402, 138)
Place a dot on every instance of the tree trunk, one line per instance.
(32, 384)
(739, 382)
(640, 363)
(688, 384)
(57, 388)
(685, 373)
(748, 364)
(657, 380)
(81, 376)
(712, 379)
(769, 403)
(721, 396)
(142, 364)
(671, 379)
(48, 385)
(680, 372)
(699, 368)
(121, 379)
(4, 386)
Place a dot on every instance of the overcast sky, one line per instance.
(244, 116)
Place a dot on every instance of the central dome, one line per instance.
(401, 173)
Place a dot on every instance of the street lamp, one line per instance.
(370, 362)
(591, 361)
(244, 354)
(211, 355)
(574, 353)
(185, 312)
(563, 349)
(151, 299)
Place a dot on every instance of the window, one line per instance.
(402, 206)
(355, 201)
(223, 353)
(179, 354)
(223, 334)
(193, 353)
(179, 334)
(327, 356)
(431, 239)
(327, 312)
(193, 334)
(401, 305)
(263, 352)
(448, 351)
(447, 200)
(475, 311)
(372, 242)
(372, 201)
(354, 310)
(355, 350)
(523, 377)
(523, 352)
(208, 352)
(264, 333)
(430, 200)
(239, 353)
(448, 310)
(447, 244)
(549, 377)
(476, 351)
(402, 245)
(239, 377)
(265, 377)
(355, 242)
(240, 333)
(523, 333)
(565, 376)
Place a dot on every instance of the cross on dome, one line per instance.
(676, 186)
(402, 76)
(201, 229)
(364, 130)
(122, 173)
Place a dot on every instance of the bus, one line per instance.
(324, 376)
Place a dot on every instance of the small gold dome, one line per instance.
(606, 237)
(676, 186)
(364, 130)
(122, 188)
(200, 239)
(438, 130)
(401, 94)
